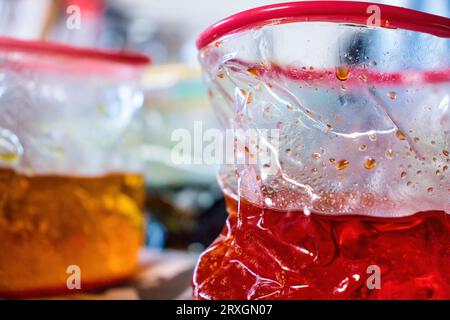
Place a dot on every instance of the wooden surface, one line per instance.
(162, 275)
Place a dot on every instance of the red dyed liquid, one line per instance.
(268, 254)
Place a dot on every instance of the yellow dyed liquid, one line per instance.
(50, 222)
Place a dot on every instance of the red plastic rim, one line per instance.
(357, 76)
(51, 48)
(327, 11)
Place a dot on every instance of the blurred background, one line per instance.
(185, 205)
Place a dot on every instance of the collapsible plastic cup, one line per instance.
(340, 184)
(71, 200)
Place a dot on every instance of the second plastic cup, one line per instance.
(71, 201)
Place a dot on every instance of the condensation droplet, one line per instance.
(316, 156)
(288, 151)
(362, 77)
(416, 139)
(362, 147)
(373, 63)
(253, 71)
(419, 172)
(342, 164)
(403, 174)
(430, 189)
(342, 72)
(250, 98)
(392, 95)
(409, 183)
(373, 137)
(280, 126)
(306, 211)
(400, 135)
(370, 163)
(445, 168)
(332, 160)
(11, 150)
(445, 153)
(389, 153)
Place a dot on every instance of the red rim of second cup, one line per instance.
(80, 60)
(53, 48)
